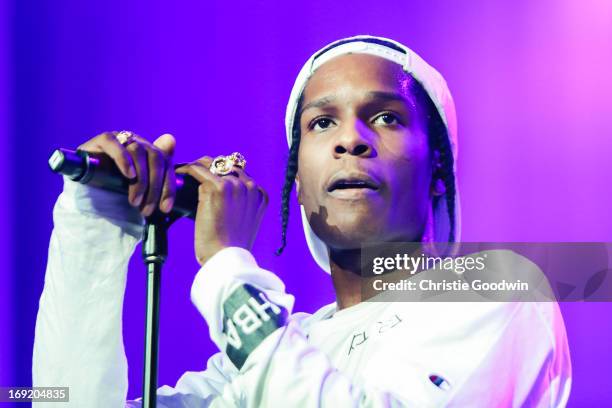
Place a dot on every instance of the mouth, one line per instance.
(346, 186)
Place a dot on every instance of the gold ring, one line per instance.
(125, 137)
(222, 165)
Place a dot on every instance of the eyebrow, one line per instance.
(387, 96)
(372, 95)
(318, 103)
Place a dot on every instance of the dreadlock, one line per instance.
(290, 173)
(438, 141)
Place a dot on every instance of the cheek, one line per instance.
(409, 148)
(410, 172)
(307, 172)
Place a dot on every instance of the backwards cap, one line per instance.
(432, 82)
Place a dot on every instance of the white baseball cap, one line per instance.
(432, 82)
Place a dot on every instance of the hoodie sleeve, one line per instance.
(78, 337)
(248, 311)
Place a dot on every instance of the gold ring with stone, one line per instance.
(222, 165)
(125, 137)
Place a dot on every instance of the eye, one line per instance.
(386, 119)
(321, 124)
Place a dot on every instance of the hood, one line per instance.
(439, 224)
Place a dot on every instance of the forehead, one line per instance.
(357, 72)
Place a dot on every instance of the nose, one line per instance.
(355, 140)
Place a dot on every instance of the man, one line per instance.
(372, 136)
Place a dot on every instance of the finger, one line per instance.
(257, 196)
(236, 171)
(199, 172)
(93, 144)
(264, 196)
(107, 143)
(168, 190)
(136, 192)
(205, 161)
(260, 215)
(166, 143)
(157, 169)
(237, 180)
(240, 173)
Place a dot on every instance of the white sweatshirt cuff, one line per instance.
(241, 302)
(91, 200)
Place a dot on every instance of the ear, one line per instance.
(437, 183)
(297, 188)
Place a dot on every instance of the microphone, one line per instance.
(99, 170)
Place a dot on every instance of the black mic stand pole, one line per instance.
(154, 253)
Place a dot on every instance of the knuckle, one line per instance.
(225, 184)
(205, 190)
(213, 184)
(190, 169)
(106, 136)
(135, 147)
(157, 156)
(240, 186)
(197, 163)
(203, 162)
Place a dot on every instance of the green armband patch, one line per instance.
(248, 318)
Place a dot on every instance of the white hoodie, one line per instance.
(374, 354)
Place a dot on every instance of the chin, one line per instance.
(348, 233)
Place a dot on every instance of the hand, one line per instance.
(230, 209)
(150, 164)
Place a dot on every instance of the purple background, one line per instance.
(531, 81)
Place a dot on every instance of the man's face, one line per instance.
(364, 160)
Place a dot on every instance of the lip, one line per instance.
(372, 185)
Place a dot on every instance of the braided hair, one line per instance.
(290, 173)
(437, 139)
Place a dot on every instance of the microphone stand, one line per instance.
(99, 171)
(154, 253)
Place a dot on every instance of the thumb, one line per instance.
(166, 143)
